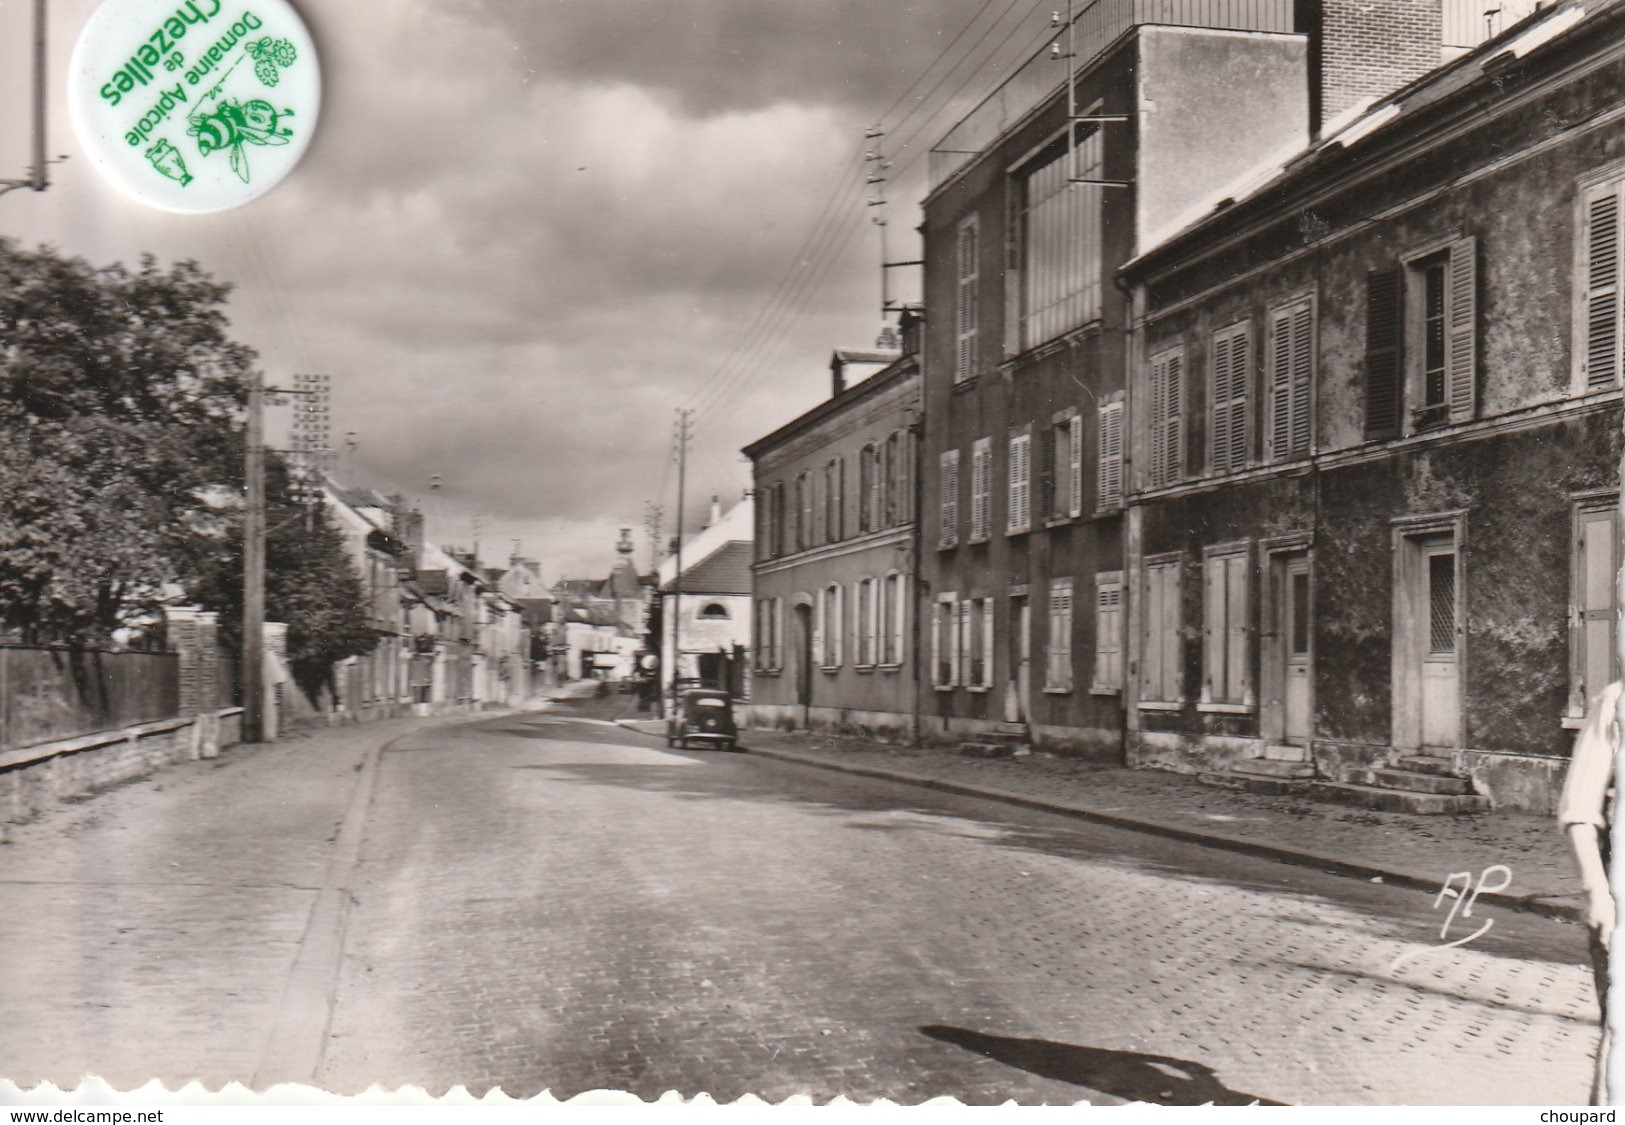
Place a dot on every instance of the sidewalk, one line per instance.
(1404, 848)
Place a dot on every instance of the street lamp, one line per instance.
(36, 181)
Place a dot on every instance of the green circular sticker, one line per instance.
(196, 105)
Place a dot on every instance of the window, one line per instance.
(1109, 470)
(1160, 662)
(1062, 468)
(976, 642)
(1600, 320)
(869, 489)
(1226, 605)
(834, 494)
(981, 488)
(804, 512)
(945, 641)
(866, 623)
(1422, 340)
(948, 498)
(965, 327)
(1058, 652)
(831, 624)
(896, 504)
(1230, 417)
(767, 636)
(1291, 381)
(776, 506)
(1594, 616)
(1167, 383)
(1021, 483)
(895, 618)
(1060, 229)
(1108, 632)
(714, 611)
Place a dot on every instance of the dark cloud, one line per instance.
(709, 57)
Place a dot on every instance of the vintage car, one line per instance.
(701, 716)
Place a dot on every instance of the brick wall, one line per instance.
(1370, 48)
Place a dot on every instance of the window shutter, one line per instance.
(1020, 482)
(1048, 438)
(1237, 680)
(1382, 333)
(1596, 565)
(1109, 488)
(1151, 660)
(937, 654)
(981, 472)
(1172, 647)
(962, 645)
(1219, 431)
(1074, 469)
(966, 327)
(1600, 270)
(948, 498)
(1173, 449)
(1214, 590)
(1159, 410)
(1303, 372)
(987, 642)
(1108, 626)
(1280, 401)
(1461, 364)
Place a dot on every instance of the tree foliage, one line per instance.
(121, 468)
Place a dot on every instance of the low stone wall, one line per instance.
(34, 778)
(888, 726)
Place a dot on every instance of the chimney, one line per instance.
(1368, 49)
(716, 512)
(409, 530)
(837, 375)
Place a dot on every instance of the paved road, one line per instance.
(548, 901)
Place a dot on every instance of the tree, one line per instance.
(121, 465)
(119, 394)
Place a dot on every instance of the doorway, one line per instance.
(1018, 675)
(1287, 659)
(804, 658)
(1428, 641)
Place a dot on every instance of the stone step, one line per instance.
(1273, 767)
(1253, 783)
(1428, 763)
(1419, 782)
(1396, 800)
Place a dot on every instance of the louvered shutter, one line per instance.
(1152, 635)
(1020, 482)
(1299, 430)
(1172, 647)
(1382, 335)
(937, 654)
(1597, 561)
(1214, 590)
(987, 642)
(1237, 679)
(1074, 469)
(1461, 361)
(1219, 431)
(1109, 487)
(1108, 633)
(948, 499)
(1602, 315)
(1173, 419)
(1159, 409)
(980, 486)
(967, 312)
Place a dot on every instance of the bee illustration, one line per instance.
(236, 124)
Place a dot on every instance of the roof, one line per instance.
(900, 368)
(433, 581)
(1381, 118)
(725, 570)
(865, 355)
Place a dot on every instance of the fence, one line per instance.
(48, 694)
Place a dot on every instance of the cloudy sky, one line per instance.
(529, 230)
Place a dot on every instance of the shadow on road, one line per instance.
(1161, 1079)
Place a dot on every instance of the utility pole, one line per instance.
(306, 455)
(254, 566)
(684, 434)
(36, 180)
